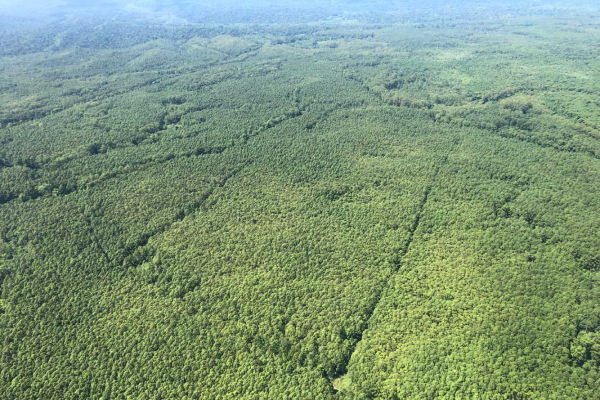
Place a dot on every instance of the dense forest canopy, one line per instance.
(299, 200)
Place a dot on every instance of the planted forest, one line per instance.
(300, 201)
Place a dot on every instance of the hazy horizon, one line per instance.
(40, 8)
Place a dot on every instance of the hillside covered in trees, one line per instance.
(315, 201)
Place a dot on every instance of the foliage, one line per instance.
(377, 203)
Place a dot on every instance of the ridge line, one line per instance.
(416, 223)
